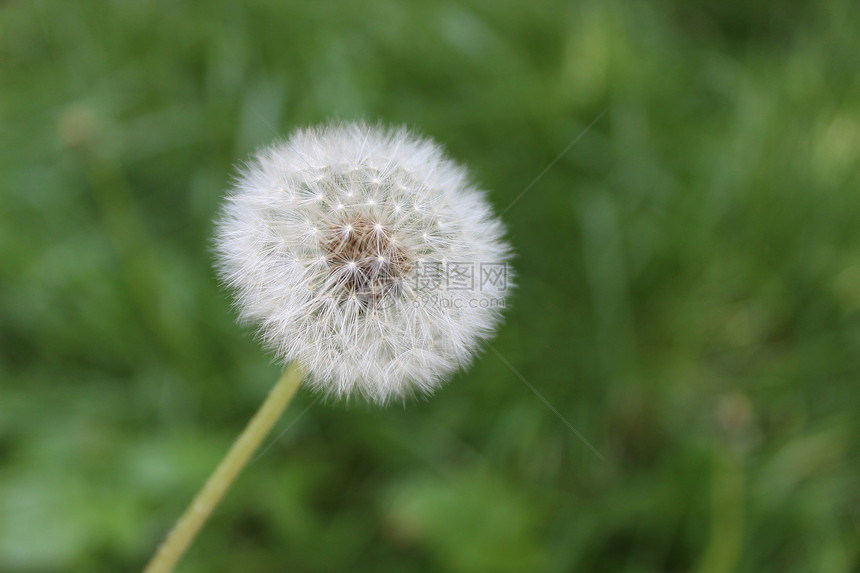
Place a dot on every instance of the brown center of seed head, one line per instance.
(367, 260)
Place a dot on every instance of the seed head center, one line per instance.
(364, 259)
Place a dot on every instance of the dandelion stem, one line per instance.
(185, 530)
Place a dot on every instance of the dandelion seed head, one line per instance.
(322, 256)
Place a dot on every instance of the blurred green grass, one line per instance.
(689, 291)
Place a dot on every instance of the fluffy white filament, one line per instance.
(352, 248)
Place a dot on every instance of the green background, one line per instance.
(688, 300)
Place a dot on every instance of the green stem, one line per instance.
(183, 533)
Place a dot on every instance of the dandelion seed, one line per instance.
(374, 253)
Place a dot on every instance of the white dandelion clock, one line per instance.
(365, 255)
(368, 262)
